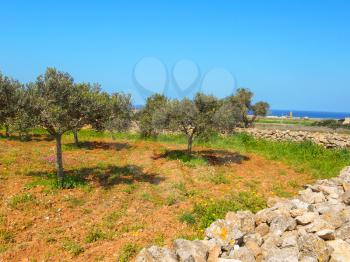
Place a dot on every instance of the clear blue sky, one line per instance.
(293, 54)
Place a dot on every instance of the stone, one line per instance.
(319, 224)
(346, 197)
(306, 218)
(326, 234)
(289, 239)
(311, 197)
(336, 219)
(242, 254)
(256, 237)
(308, 259)
(244, 219)
(345, 174)
(312, 246)
(341, 251)
(265, 216)
(343, 232)
(298, 204)
(285, 255)
(228, 260)
(224, 233)
(156, 254)
(297, 212)
(254, 248)
(282, 223)
(214, 254)
(191, 251)
(262, 229)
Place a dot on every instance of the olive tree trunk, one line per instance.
(59, 164)
(7, 131)
(76, 139)
(189, 144)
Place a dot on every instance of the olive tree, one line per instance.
(9, 95)
(242, 100)
(119, 113)
(191, 117)
(145, 115)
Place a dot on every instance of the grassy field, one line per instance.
(122, 193)
(302, 122)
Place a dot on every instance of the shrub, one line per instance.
(94, 235)
(72, 247)
(128, 252)
(203, 214)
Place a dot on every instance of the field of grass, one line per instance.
(302, 122)
(122, 193)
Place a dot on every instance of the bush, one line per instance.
(203, 214)
(128, 252)
(72, 247)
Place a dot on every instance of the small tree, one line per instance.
(119, 114)
(191, 117)
(9, 95)
(145, 115)
(242, 100)
(260, 109)
(57, 105)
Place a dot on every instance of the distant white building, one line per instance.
(346, 121)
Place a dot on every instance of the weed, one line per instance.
(294, 184)
(50, 181)
(94, 235)
(72, 247)
(218, 179)
(203, 214)
(128, 252)
(188, 160)
(159, 240)
(6, 237)
(74, 202)
(280, 191)
(171, 200)
(187, 218)
(17, 200)
(129, 189)
(183, 190)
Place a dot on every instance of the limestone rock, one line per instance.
(156, 254)
(326, 234)
(346, 197)
(224, 233)
(244, 219)
(191, 251)
(306, 218)
(242, 254)
(262, 229)
(341, 251)
(282, 223)
(312, 246)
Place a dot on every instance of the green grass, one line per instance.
(50, 181)
(128, 252)
(17, 200)
(72, 247)
(95, 234)
(286, 121)
(186, 159)
(203, 214)
(6, 237)
(303, 157)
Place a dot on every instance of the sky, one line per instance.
(293, 54)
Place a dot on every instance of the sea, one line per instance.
(300, 113)
(309, 114)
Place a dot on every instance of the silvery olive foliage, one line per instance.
(144, 117)
(195, 117)
(9, 97)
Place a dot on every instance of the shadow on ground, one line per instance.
(91, 145)
(105, 177)
(213, 157)
(28, 138)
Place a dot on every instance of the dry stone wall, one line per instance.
(314, 226)
(328, 140)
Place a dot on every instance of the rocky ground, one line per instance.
(315, 226)
(328, 140)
